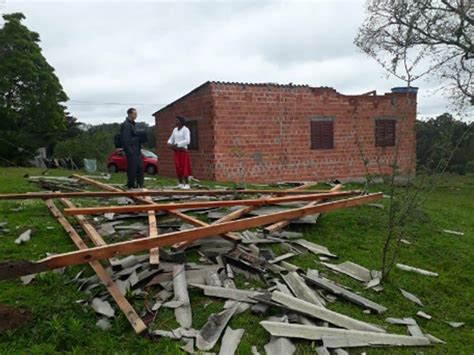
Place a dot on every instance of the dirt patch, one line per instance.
(11, 318)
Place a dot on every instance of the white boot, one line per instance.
(186, 187)
(180, 186)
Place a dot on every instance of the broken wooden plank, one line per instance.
(91, 232)
(416, 270)
(341, 337)
(192, 220)
(10, 270)
(153, 233)
(282, 224)
(131, 194)
(132, 316)
(322, 313)
(190, 205)
(301, 290)
(230, 341)
(342, 292)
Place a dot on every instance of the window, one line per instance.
(322, 134)
(193, 128)
(385, 133)
(148, 154)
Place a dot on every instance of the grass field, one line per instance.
(60, 325)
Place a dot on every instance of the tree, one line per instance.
(435, 36)
(437, 137)
(413, 39)
(31, 110)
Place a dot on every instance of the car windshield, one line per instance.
(148, 154)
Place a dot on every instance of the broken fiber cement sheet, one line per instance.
(230, 341)
(337, 338)
(314, 248)
(411, 297)
(322, 313)
(301, 290)
(279, 346)
(351, 269)
(212, 330)
(183, 312)
(417, 270)
(342, 292)
(229, 293)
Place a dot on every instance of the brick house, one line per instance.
(269, 132)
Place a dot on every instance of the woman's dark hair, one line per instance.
(181, 120)
(130, 110)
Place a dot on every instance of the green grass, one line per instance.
(60, 325)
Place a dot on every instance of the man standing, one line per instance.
(179, 141)
(132, 147)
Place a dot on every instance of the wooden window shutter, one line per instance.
(322, 134)
(385, 133)
(193, 128)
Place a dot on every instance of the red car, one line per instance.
(117, 161)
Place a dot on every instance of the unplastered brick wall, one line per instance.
(262, 133)
(198, 106)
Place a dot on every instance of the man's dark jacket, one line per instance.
(130, 139)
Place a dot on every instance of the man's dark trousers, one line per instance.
(134, 171)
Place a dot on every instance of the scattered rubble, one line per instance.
(455, 324)
(411, 297)
(416, 270)
(453, 232)
(24, 237)
(161, 278)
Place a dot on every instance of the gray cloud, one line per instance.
(147, 54)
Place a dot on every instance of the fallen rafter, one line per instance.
(10, 270)
(205, 204)
(282, 224)
(127, 309)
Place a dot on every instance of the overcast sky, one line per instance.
(110, 55)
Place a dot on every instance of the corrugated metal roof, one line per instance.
(234, 83)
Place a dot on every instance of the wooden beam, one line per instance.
(153, 233)
(282, 224)
(247, 209)
(127, 309)
(236, 215)
(95, 183)
(194, 221)
(91, 232)
(198, 205)
(15, 269)
(131, 194)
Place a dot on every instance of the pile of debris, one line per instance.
(228, 246)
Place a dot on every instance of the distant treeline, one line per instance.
(445, 140)
(97, 142)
